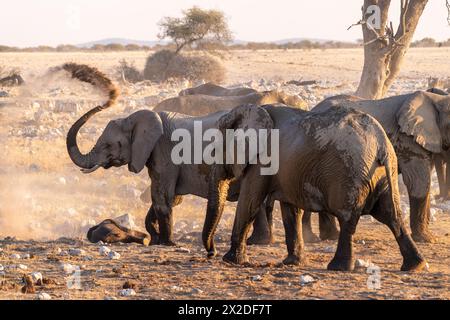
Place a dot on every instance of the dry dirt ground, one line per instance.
(46, 204)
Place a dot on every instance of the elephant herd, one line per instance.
(340, 159)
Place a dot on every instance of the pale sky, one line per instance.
(52, 22)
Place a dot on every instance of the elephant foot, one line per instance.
(340, 264)
(260, 239)
(332, 234)
(211, 254)
(154, 241)
(310, 237)
(423, 237)
(414, 264)
(234, 257)
(168, 243)
(294, 260)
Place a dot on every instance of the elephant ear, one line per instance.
(245, 117)
(418, 117)
(146, 129)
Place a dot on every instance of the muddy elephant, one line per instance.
(201, 104)
(109, 231)
(338, 161)
(211, 89)
(144, 139)
(418, 125)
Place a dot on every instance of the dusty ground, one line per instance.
(43, 197)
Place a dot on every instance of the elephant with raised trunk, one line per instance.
(339, 161)
(418, 125)
(144, 139)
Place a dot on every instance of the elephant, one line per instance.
(201, 104)
(109, 231)
(338, 161)
(211, 89)
(418, 125)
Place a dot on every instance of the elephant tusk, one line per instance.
(91, 169)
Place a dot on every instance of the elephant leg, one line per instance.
(343, 258)
(327, 227)
(417, 177)
(262, 227)
(440, 172)
(308, 234)
(165, 221)
(391, 217)
(447, 175)
(252, 194)
(151, 225)
(292, 219)
(217, 195)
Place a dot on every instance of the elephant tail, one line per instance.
(389, 160)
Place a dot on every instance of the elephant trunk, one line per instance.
(96, 78)
(217, 195)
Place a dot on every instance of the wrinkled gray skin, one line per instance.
(143, 139)
(441, 161)
(211, 89)
(418, 125)
(338, 161)
(109, 231)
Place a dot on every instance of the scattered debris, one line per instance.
(29, 285)
(114, 255)
(256, 278)
(43, 296)
(129, 285)
(104, 250)
(36, 277)
(68, 268)
(127, 292)
(76, 252)
(359, 263)
(306, 279)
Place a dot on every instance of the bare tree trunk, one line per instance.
(384, 50)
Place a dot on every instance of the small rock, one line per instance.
(256, 278)
(68, 268)
(43, 296)
(64, 253)
(15, 256)
(306, 279)
(76, 252)
(182, 249)
(88, 258)
(26, 256)
(36, 276)
(127, 292)
(104, 250)
(359, 263)
(3, 94)
(62, 180)
(329, 249)
(126, 220)
(114, 255)
(109, 298)
(176, 288)
(197, 291)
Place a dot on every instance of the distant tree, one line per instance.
(195, 27)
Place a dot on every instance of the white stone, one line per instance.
(15, 256)
(127, 292)
(256, 278)
(62, 180)
(197, 291)
(176, 288)
(306, 279)
(43, 296)
(2, 268)
(329, 249)
(26, 256)
(104, 250)
(126, 220)
(184, 250)
(36, 276)
(114, 255)
(359, 263)
(68, 268)
(76, 252)
(109, 298)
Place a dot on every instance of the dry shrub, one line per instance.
(128, 72)
(165, 64)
